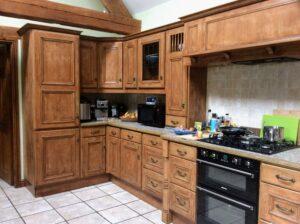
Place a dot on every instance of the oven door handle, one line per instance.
(226, 198)
(227, 168)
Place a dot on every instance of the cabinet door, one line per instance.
(113, 156)
(93, 156)
(88, 65)
(56, 80)
(151, 61)
(131, 164)
(130, 64)
(194, 37)
(110, 57)
(57, 156)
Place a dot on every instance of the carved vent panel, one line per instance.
(177, 42)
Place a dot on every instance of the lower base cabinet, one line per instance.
(58, 156)
(131, 163)
(152, 183)
(113, 156)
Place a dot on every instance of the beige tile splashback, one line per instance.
(249, 92)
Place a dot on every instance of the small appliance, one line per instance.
(85, 110)
(152, 115)
(101, 109)
(151, 100)
(117, 110)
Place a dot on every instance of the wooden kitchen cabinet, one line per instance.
(57, 156)
(88, 65)
(194, 37)
(151, 61)
(131, 163)
(176, 77)
(113, 156)
(93, 151)
(130, 60)
(56, 85)
(110, 65)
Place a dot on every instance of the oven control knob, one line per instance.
(213, 156)
(236, 161)
(248, 164)
(204, 153)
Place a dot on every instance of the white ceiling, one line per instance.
(136, 6)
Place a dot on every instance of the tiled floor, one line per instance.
(100, 204)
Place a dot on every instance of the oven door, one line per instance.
(215, 208)
(234, 182)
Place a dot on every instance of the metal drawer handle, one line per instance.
(95, 132)
(285, 179)
(153, 184)
(174, 122)
(153, 142)
(284, 210)
(181, 174)
(154, 160)
(181, 202)
(130, 137)
(113, 133)
(181, 153)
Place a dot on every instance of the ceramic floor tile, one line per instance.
(75, 211)
(103, 203)
(110, 188)
(124, 197)
(14, 221)
(64, 200)
(49, 217)
(4, 185)
(57, 195)
(103, 184)
(33, 208)
(83, 189)
(20, 196)
(154, 217)
(118, 214)
(137, 220)
(89, 219)
(8, 214)
(90, 194)
(4, 203)
(2, 194)
(141, 207)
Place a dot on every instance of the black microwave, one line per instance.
(152, 115)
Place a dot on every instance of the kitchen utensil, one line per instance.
(273, 133)
(235, 131)
(290, 125)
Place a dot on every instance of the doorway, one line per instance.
(9, 114)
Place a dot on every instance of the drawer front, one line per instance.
(153, 159)
(183, 151)
(174, 121)
(263, 222)
(114, 132)
(151, 140)
(131, 136)
(279, 205)
(282, 177)
(183, 173)
(92, 131)
(152, 183)
(183, 202)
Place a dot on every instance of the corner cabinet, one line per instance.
(110, 64)
(151, 61)
(130, 64)
(88, 65)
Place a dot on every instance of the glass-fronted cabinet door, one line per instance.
(151, 61)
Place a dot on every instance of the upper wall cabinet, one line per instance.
(130, 63)
(268, 22)
(151, 61)
(110, 65)
(88, 65)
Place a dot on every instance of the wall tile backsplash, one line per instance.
(249, 92)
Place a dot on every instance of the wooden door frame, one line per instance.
(9, 35)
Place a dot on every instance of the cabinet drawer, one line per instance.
(263, 222)
(174, 121)
(183, 173)
(152, 183)
(151, 140)
(114, 132)
(183, 202)
(92, 131)
(279, 205)
(131, 136)
(282, 177)
(183, 151)
(153, 159)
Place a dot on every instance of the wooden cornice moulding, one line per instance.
(52, 12)
(30, 26)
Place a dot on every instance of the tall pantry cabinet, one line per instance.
(51, 104)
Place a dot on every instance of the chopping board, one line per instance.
(289, 123)
(293, 113)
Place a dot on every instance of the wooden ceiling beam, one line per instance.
(52, 12)
(116, 7)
